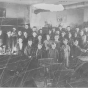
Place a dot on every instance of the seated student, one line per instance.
(76, 49)
(28, 49)
(39, 52)
(84, 45)
(66, 52)
(53, 53)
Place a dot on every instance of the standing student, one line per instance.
(66, 52)
(40, 39)
(47, 42)
(39, 52)
(14, 38)
(9, 41)
(53, 33)
(25, 40)
(19, 34)
(20, 46)
(28, 49)
(57, 42)
(62, 37)
(53, 53)
(45, 52)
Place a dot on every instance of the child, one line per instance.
(20, 45)
(66, 52)
(34, 40)
(77, 50)
(53, 53)
(47, 42)
(14, 38)
(56, 38)
(58, 44)
(25, 40)
(40, 39)
(39, 52)
(28, 49)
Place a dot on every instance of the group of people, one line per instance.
(58, 43)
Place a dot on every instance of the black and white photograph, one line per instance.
(44, 43)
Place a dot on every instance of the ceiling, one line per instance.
(28, 2)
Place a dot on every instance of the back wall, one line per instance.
(70, 17)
